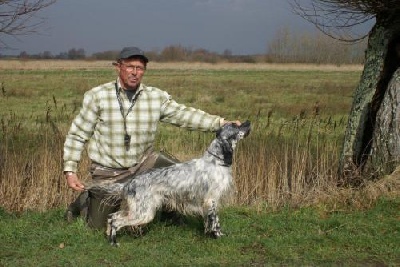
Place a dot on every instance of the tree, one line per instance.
(46, 55)
(76, 53)
(106, 55)
(19, 17)
(174, 53)
(292, 46)
(372, 139)
(23, 55)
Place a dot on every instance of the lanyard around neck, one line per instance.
(127, 137)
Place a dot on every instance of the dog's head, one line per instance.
(229, 135)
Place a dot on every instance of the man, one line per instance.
(118, 121)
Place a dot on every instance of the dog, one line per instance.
(194, 187)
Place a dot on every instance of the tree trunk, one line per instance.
(364, 152)
(385, 151)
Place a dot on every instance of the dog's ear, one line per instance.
(227, 150)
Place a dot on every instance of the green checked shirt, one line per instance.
(101, 124)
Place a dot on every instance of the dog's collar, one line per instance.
(222, 159)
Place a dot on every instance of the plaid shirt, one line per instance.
(100, 122)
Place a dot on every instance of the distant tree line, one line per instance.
(286, 47)
(173, 53)
(71, 54)
(317, 48)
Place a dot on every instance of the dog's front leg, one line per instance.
(211, 220)
(112, 231)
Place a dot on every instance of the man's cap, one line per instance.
(128, 52)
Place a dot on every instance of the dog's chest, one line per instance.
(216, 176)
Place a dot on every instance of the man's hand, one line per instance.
(73, 181)
(238, 123)
(223, 122)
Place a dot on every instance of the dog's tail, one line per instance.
(105, 187)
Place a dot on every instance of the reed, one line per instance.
(292, 163)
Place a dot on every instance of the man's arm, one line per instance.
(81, 130)
(188, 117)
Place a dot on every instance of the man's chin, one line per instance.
(133, 86)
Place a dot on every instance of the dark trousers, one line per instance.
(94, 207)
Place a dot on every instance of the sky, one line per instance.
(241, 26)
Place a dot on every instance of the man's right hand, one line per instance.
(73, 181)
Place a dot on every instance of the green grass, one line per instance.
(289, 237)
(247, 93)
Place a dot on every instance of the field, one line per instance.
(286, 170)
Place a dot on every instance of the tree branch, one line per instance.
(338, 18)
(19, 17)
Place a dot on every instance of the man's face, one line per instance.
(130, 72)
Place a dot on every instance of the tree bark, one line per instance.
(385, 151)
(371, 143)
(360, 122)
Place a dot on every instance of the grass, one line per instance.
(312, 236)
(247, 92)
(298, 116)
(288, 209)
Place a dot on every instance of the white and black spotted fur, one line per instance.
(193, 187)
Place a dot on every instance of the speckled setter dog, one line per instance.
(193, 187)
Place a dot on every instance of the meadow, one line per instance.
(286, 169)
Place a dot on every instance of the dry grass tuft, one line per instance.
(334, 198)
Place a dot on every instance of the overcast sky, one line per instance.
(242, 26)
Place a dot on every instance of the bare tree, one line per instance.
(292, 46)
(20, 17)
(371, 143)
(339, 18)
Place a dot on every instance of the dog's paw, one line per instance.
(216, 234)
(114, 244)
(112, 238)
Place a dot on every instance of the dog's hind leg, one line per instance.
(211, 220)
(132, 216)
(128, 208)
